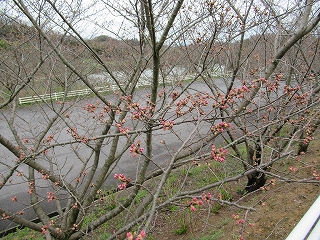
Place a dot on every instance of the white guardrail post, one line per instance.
(308, 227)
(86, 91)
(53, 96)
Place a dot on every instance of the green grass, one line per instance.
(173, 208)
(141, 194)
(214, 235)
(193, 171)
(24, 234)
(216, 208)
(225, 195)
(3, 44)
(104, 236)
(183, 228)
(172, 184)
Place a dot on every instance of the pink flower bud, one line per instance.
(192, 208)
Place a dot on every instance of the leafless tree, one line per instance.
(180, 83)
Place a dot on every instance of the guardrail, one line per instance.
(308, 227)
(86, 91)
(75, 93)
(60, 95)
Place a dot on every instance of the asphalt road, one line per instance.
(33, 119)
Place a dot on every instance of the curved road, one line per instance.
(34, 120)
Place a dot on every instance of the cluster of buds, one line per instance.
(134, 105)
(143, 113)
(139, 112)
(90, 107)
(200, 99)
(31, 187)
(14, 199)
(237, 218)
(136, 115)
(310, 129)
(73, 132)
(273, 84)
(21, 157)
(162, 92)
(167, 124)
(44, 229)
(76, 136)
(48, 139)
(222, 102)
(254, 70)
(75, 205)
(194, 202)
(218, 154)
(180, 105)
(123, 179)
(4, 216)
(122, 129)
(234, 93)
(45, 175)
(183, 102)
(293, 169)
(220, 127)
(191, 102)
(174, 95)
(20, 212)
(308, 139)
(302, 99)
(135, 149)
(101, 117)
(51, 196)
(84, 139)
(293, 121)
(107, 108)
(206, 196)
(316, 175)
(239, 93)
(290, 90)
(133, 236)
(267, 187)
(279, 77)
(128, 98)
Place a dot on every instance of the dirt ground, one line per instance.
(277, 210)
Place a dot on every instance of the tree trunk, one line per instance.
(256, 179)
